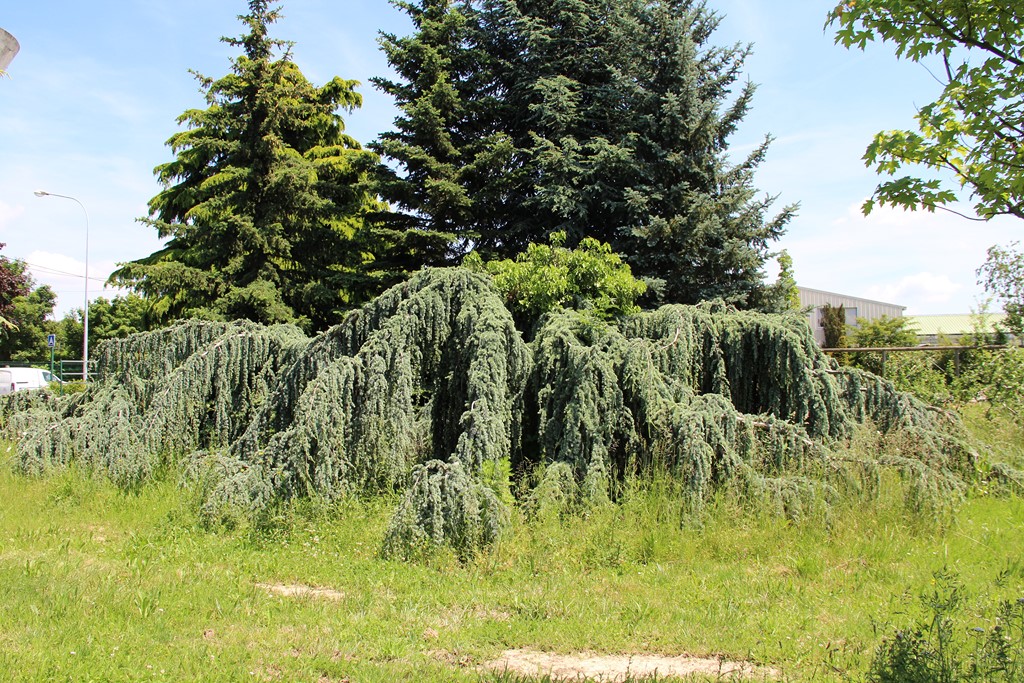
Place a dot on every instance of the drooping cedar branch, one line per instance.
(431, 390)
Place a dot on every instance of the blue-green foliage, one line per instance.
(721, 397)
(430, 369)
(430, 390)
(193, 386)
(444, 505)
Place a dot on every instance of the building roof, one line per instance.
(962, 323)
(811, 290)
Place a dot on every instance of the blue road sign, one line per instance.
(51, 340)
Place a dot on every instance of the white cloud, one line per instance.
(64, 274)
(925, 287)
(924, 261)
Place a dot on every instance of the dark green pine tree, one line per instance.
(683, 211)
(630, 109)
(264, 204)
(454, 164)
(614, 118)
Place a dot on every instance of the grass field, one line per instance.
(99, 585)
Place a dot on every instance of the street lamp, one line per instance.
(85, 317)
(8, 48)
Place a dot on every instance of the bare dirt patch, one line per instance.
(298, 590)
(611, 668)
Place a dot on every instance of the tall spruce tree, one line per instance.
(264, 205)
(425, 186)
(681, 210)
(453, 158)
(553, 63)
(612, 118)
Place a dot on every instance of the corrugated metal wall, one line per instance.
(855, 308)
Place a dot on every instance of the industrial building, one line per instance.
(813, 300)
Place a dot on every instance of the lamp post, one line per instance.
(85, 316)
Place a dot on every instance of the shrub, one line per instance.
(545, 277)
(884, 331)
(833, 319)
(922, 374)
(73, 387)
(996, 376)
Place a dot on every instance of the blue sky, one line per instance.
(97, 87)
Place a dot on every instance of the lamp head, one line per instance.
(40, 193)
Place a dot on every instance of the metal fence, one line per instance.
(65, 370)
(884, 352)
(71, 370)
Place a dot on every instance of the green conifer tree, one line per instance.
(603, 118)
(632, 115)
(263, 206)
(453, 159)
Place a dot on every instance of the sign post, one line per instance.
(51, 341)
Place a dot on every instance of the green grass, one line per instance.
(96, 584)
(1001, 432)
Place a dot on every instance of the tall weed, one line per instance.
(955, 640)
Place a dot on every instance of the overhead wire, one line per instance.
(54, 271)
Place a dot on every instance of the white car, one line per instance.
(16, 379)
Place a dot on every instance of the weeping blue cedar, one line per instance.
(444, 506)
(166, 393)
(431, 369)
(430, 389)
(721, 397)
